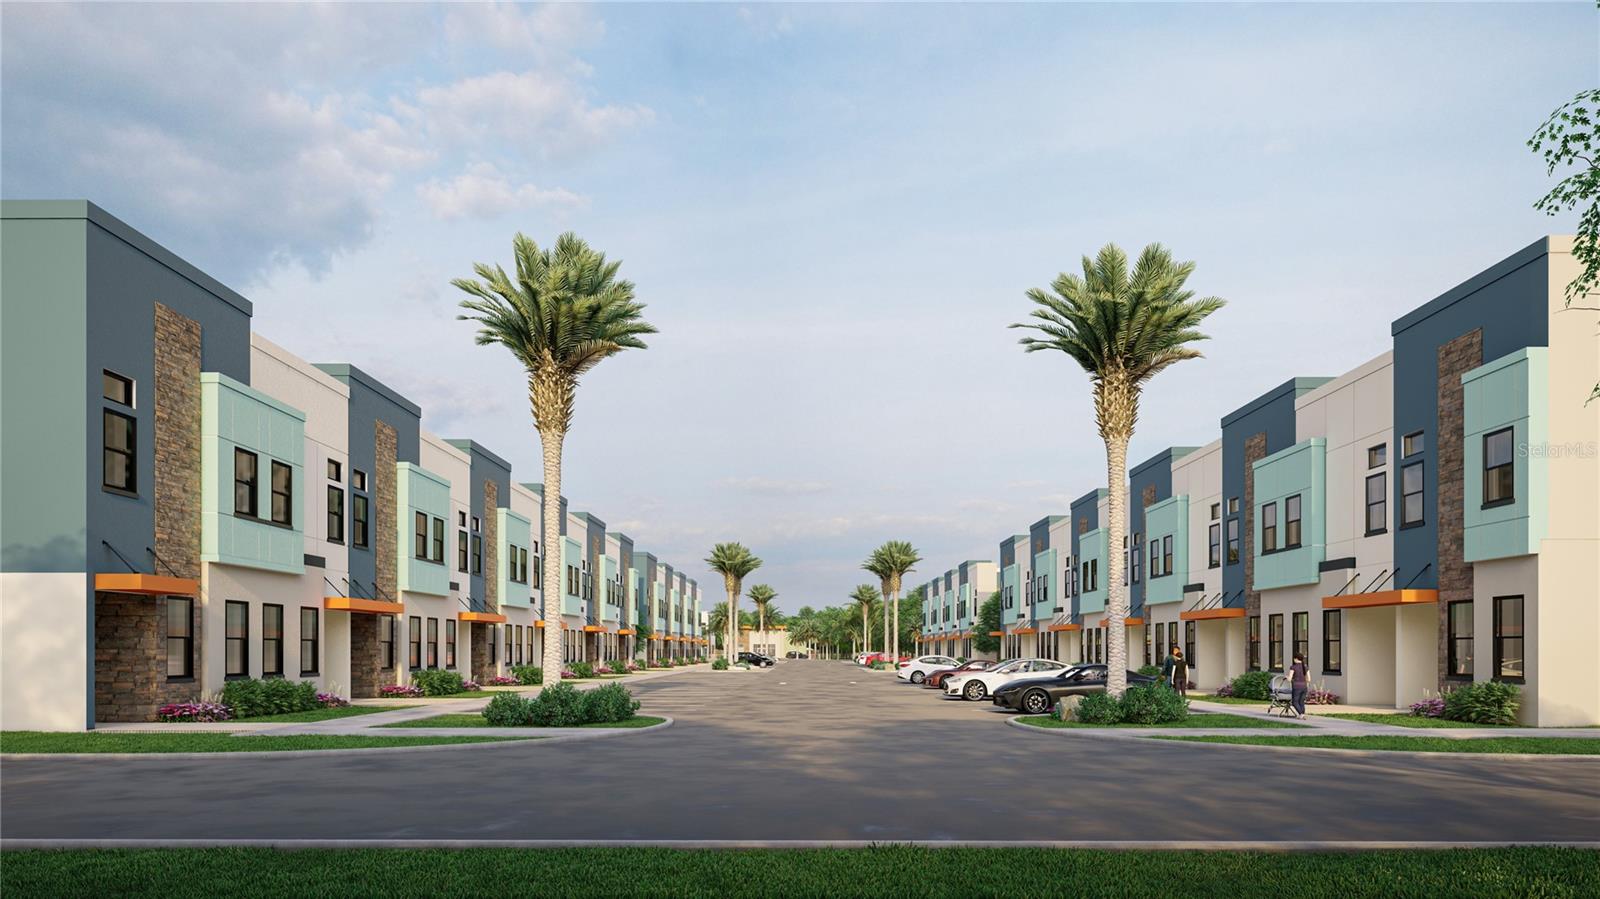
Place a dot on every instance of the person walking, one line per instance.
(1299, 681)
(1175, 671)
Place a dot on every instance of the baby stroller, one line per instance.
(1280, 696)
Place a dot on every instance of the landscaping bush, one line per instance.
(1150, 670)
(1319, 696)
(332, 701)
(251, 698)
(558, 705)
(1252, 685)
(1224, 691)
(509, 710)
(528, 675)
(1432, 707)
(582, 669)
(609, 704)
(500, 680)
(1485, 702)
(470, 686)
(1098, 708)
(1154, 703)
(400, 690)
(719, 665)
(438, 682)
(194, 711)
(618, 666)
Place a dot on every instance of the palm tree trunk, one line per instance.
(896, 601)
(1117, 591)
(731, 648)
(550, 590)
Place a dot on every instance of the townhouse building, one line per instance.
(950, 608)
(187, 502)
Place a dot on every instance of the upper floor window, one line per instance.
(438, 540)
(1269, 528)
(461, 550)
(1411, 494)
(1166, 555)
(1233, 541)
(358, 520)
(477, 553)
(358, 479)
(335, 514)
(1499, 480)
(1216, 511)
(1233, 505)
(116, 388)
(335, 470)
(1214, 541)
(246, 481)
(1377, 503)
(282, 494)
(420, 549)
(1377, 456)
(1138, 556)
(119, 446)
(1291, 522)
(1411, 444)
(1155, 559)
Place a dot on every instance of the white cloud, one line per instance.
(541, 114)
(775, 486)
(483, 192)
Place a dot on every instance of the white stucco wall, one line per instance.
(45, 621)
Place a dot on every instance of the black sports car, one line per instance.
(1036, 695)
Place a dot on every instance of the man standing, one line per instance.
(1175, 672)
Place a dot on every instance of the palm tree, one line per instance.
(1122, 328)
(865, 596)
(563, 312)
(903, 558)
(734, 562)
(890, 562)
(761, 595)
(717, 622)
(880, 564)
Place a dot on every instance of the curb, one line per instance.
(1287, 846)
(594, 734)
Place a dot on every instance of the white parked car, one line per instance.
(979, 684)
(917, 670)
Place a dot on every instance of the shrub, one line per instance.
(509, 710)
(1099, 708)
(568, 674)
(618, 666)
(1154, 703)
(719, 665)
(1253, 685)
(1319, 696)
(194, 711)
(438, 682)
(332, 701)
(1432, 707)
(1150, 670)
(500, 680)
(470, 686)
(1224, 691)
(1485, 702)
(558, 705)
(251, 698)
(583, 669)
(528, 675)
(399, 690)
(608, 704)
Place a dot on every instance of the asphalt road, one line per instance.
(808, 751)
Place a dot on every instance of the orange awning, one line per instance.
(539, 623)
(1209, 614)
(1381, 598)
(593, 629)
(997, 633)
(1066, 627)
(1026, 630)
(359, 604)
(146, 584)
(485, 617)
(626, 631)
(1127, 622)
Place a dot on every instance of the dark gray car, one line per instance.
(1036, 695)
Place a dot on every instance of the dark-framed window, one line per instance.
(1233, 505)
(449, 643)
(335, 513)
(282, 494)
(1332, 641)
(1138, 553)
(1269, 528)
(358, 520)
(1214, 544)
(1188, 643)
(513, 656)
(461, 551)
(1254, 631)
(246, 482)
(433, 642)
(1155, 559)
(1411, 494)
(538, 567)
(494, 640)
(522, 563)
(1233, 541)
(414, 638)
(1216, 511)
(1291, 522)
(1411, 444)
(1302, 635)
(438, 540)
(1378, 456)
(1509, 661)
(419, 547)
(1499, 473)
(335, 470)
(1460, 630)
(1377, 503)
(180, 638)
(1149, 644)
(310, 638)
(387, 624)
(116, 388)
(477, 554)
(237, 650)
(1275, 642)
(358, 479)
(519, 646)
(1166, 555)
(119, 464)
(271, 640)
(1161, 638)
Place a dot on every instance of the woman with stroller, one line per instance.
(1298, 683)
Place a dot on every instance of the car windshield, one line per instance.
(1013, 665)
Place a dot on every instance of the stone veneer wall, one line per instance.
(385, 458)
(491, 537)
(1255, 448)
(1460, 355)
(366, 661)
(482, 633)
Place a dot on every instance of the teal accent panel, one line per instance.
(1512, 392)
(964, 622)
(235, 416)
(1045, 563)
(571, 554)
(1092, 547)
(1168, 518)
(46, 469)
(676, 614)
(1010, 578)
(512, 530)
(1300, 469)
(612, 610)
(420, 490)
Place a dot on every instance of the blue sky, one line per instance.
(832, 212)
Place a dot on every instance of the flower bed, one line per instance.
(401, 690)
(194, 711)
(501, 680)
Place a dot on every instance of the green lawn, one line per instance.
(318, 714)
(1532, 745)
(24, 741)
(1227, 700)
(886, 871)
(473, 719)
(1402, 720)
(1197, 719)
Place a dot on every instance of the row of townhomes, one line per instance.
(1430, 518)
(186, 502)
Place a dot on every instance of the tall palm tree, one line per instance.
(903, 558)
(734, 562)
(1122, 328)
(880, 564)
(761, 595)
(890, 562)
(865, 596)
(717, 622)
(563, 312)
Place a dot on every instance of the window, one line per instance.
(1378, 456)
(1499, 478)
(461, 518)
(119, 452)
(237, 651)
(308, 642)
(1275, 642)
(1149, 647)
(1291, 522)
(1161, 639)
(522, 564)
(1411, 444)
(1255, 642)
(180, 638)
(414, 637)
(116, 388)
(492, 633)
(519, 645)
(438, 540)
(1411, 494)
(461, 551)
(1332, 641)
(1377, 503)
(335, 514)
(358, 519)
(282, 494)
(1458, 662)
(358, 479)
(1155, 559)
(245, 483)
(538, 571)
(335, 470)
(1233, 541)
(477, 554)
(1188, 643)
(1138, 553)
(272, 641)
(420, 543)
(1166, 555)
(1508, 661)
(1269, 528)
(449, 643)
(386, 629)
(1302, 635)
(1214, 541)
(433, 642)
(476, 524)
(1216, 511)
(1233, 505)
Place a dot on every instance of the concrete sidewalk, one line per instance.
(1321, 725)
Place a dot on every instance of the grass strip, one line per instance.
(318, 714)
(1403, 720)
(472, 719)
(878, 872)
(28, 741)
(1527, 745)
(1197, 719)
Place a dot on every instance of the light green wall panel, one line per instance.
(1511, 391)
(1010, 581)
(1299, 469)
(571, 554)
(420, 490)
(1168, 518)
(512, 530)
(965, 621)
(1092, 546)
(611, 611)
(675, 609)
(1045, 563)
(236, 416)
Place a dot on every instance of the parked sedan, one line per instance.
(936, 679)
(977, 685)
(916, 670)
(757, 659)
(1036, 695)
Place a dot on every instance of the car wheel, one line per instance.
(918, 677)
(974, 691)
(1036, 702)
